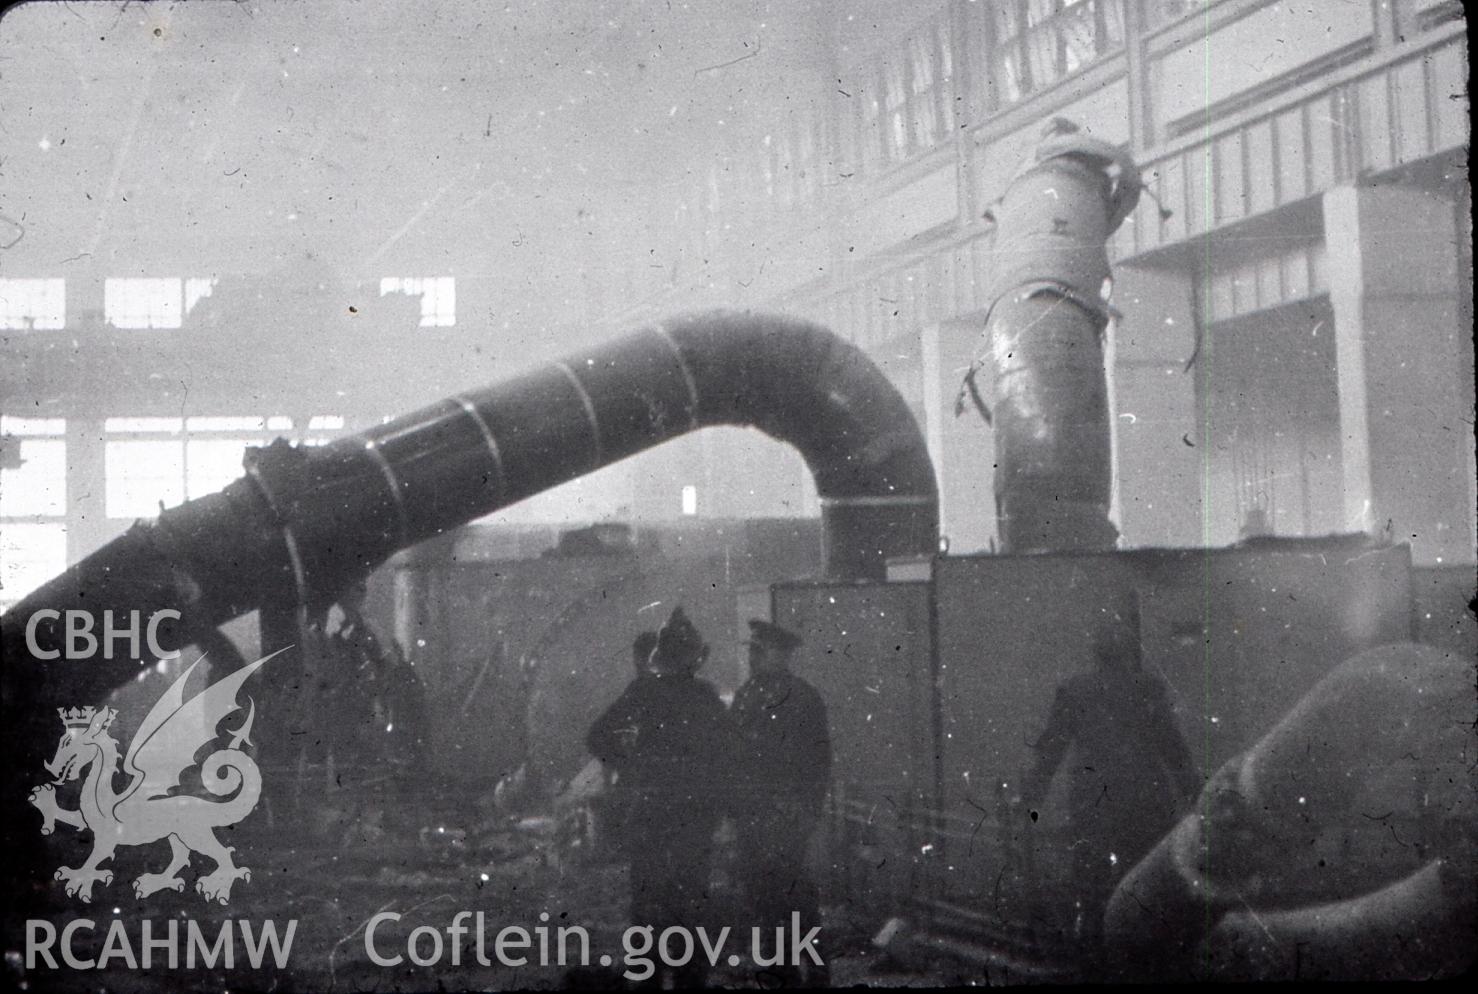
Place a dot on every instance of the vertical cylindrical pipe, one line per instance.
(1044, 343)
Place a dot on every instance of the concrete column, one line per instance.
(1403, 370)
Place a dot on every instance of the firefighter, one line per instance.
(376, 695)
(610, 740)
(1133, 774)
(785, 769)
(666, 740)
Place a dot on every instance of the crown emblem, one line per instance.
(77, 717)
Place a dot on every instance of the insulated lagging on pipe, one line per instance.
(1043, 342)
(303, 522)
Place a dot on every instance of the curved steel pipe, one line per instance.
(1044, 343)
(305, 521)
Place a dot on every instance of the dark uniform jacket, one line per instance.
(1131, 771)
(663, 736)
(784, 745)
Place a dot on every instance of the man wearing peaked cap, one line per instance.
(784, 773)
(773, 637)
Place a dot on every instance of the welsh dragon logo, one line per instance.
(145, 811)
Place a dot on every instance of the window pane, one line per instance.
(1113, 24)
(196, 289)
(30, 554)
(10, 425)
(920, 64)
(1041, 46)
(225, 424)
(1079, 37)
(141, 474)
(33, 304)
(212, 463)
(1038, 11)
(438, 297)
(1008, 23)
(143, 424)
(39, 484)
(1158, 12)
(142, 303)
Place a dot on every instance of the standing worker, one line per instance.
(611, 740)
(664, 738)
(785, 770)
(1133, 777)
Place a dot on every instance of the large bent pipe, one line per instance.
(303, 522)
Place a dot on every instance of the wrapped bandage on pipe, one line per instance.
(1044, 342)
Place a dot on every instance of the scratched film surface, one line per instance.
(1053, 418)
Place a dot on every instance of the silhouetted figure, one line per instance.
(1131, 776)
(784, 772)
(664, 737)
(375, 701)
(614, 732)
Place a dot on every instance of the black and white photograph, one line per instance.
(735, 494)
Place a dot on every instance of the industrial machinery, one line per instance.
(303, 523)
(937, 670)
(1044, 341)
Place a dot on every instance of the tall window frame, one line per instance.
(438, 297)
(33, 304)
(33, 504)
(1041, 42)
(905, 100)
(154, 462)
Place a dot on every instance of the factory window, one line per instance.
(142, 476)
(27, 304)
(143, 303)
(1158, 13)
(30, 554)
(1272, 416)
(1039, 42)
(438, 297)
(33, 481)
(895, 101)
(197, 288)
(788, 164)
(690, 500)
(869, 139)
(775, 169)
(807, 160)
(152, 302)
(931, 66)
(154, 462)
(1267, 281)
(713, 187)
(33, 504)
(907, 102)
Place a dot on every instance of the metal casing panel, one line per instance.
(867, 651)
(1239, 635)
